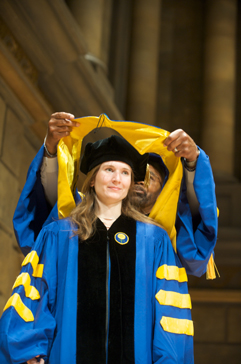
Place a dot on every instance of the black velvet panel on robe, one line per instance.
(106, 291)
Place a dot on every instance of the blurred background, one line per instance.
(170, 63)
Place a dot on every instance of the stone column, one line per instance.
(142, 89)
(219, 85)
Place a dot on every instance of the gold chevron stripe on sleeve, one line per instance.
(30, 291)
(169, 298)
(24, 312)
(33, 259)
(171, 272)
(177, 326)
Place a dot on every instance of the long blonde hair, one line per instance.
(84, 214)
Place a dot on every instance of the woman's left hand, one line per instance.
(35, 360)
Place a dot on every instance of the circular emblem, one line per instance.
(121, 238)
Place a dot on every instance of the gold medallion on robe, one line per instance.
(121, 238)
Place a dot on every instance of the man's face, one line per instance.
(146, 197)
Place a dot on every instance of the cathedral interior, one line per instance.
(175, 64)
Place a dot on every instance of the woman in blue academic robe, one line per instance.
(104, 285)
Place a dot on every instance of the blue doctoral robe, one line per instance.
(40, 316)
(196, 238)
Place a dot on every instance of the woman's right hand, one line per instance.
(35, 360)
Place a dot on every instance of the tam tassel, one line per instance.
(211, 269)
(147, 177)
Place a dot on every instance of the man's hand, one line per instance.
(59, 126)
(35, 360)
(182, 145)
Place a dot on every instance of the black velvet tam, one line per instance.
(114, 148)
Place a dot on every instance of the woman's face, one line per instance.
(112, 182)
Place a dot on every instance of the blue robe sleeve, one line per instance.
(27, 324)
(196, 236)
(33, 211)
(173, 325)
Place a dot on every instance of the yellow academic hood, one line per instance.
(146, 139)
